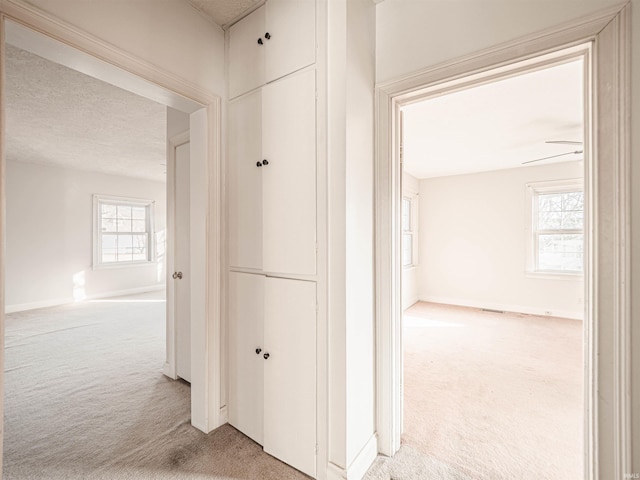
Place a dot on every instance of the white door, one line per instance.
(246, 353)
(290, 36)
(181, 264)
(244, 182)
(289, 177)
(290, 372)
(246, 54)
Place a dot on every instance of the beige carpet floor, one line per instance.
(489, 396)
(86, 399)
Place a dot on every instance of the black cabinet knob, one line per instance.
(267, 35)
(260, 41)
(266, 356)
(258, 350)
(265, 162)
(259, 164)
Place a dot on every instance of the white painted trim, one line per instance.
(224, 415)
(54, 302)
(607, 353)
(504, 307)
(174, 142)
(360, 464)
(118, 67)
(99, 59)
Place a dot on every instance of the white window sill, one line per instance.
(107, 266)
(554, 275)
(408, 268)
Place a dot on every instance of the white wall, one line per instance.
(351, 63)
(49, 252)
(166, 33)
(359, 216)
(410, 277)
(473, 243)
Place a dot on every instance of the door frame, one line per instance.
(174, 142)
(604, 38)
(90, 55)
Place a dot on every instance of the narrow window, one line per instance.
(407, 232)
(123, 231)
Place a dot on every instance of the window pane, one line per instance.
(140, 242)
(107, 211)
(407, 249)
(406, 214)
(139, 225)
(573, 201)
(139, 213)
(550, 202)
(560, 252)
(125, 241)
(124, 212)
(549, 220)
(124, 225)
(108, 225)
(109, 242)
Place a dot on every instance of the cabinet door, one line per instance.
(290, 372)
(289, 180)
(246, 55)
(244, 182)
(291, 25)
(246, 367)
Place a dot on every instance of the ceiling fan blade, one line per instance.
(552, 156)
(563, 142)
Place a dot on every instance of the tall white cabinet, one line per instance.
(272, 229)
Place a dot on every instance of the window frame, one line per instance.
(533, 232)
(149, 205)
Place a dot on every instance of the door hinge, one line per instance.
(316, 448)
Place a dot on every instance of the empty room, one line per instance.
(85, 277)
(492, 253)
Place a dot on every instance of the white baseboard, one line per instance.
(128, 291)
(169, 371)
(21, 307)
(224, 415)
(359, 466)
(575, 315)
(407, 302)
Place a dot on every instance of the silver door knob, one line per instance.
(177, 275)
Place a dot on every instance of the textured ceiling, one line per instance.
(496, 126)
(59, 117)
(223, 11)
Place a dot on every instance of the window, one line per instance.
(123, 231)
(558, 227)
(408, 233)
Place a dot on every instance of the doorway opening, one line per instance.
(603, 40)
(493, 209)
(142, 242)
